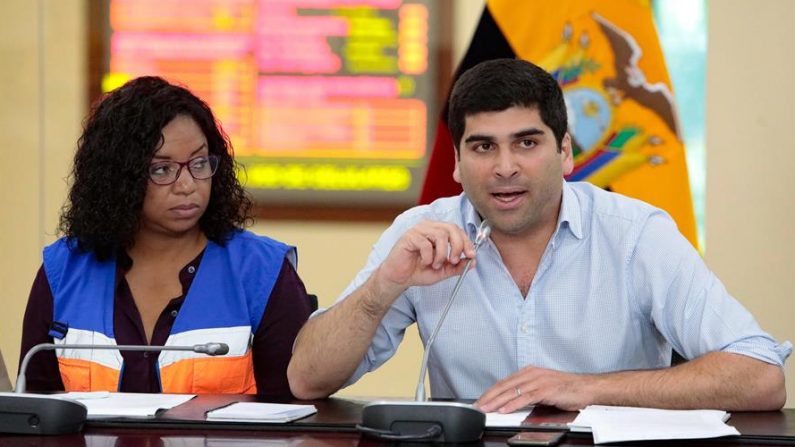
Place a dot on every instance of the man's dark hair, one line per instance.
(500, 84)
(110, 172)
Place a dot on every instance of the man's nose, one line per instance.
(506, 165)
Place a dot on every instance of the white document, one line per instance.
(103, 405)
(260, 412)
(514, 419)
(617, 424)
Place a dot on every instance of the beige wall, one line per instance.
(42, 77)
(749, 205)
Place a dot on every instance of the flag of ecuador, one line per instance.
(622, 117)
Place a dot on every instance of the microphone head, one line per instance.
(212, 348)
(217, 348)
(484, 231)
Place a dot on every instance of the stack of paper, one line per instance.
(515, 419)
(260, 412)
(103, 404)
(617, 424)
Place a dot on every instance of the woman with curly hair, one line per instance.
(154, 253)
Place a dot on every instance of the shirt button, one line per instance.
(174, 314)
(191, 269)
(525, 328)
(146, 354)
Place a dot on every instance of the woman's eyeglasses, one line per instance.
(167, 172)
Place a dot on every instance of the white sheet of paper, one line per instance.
(134, 405)
(260, 412)
(617, 424)
(514, 419)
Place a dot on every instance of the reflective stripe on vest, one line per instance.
(225, 304)
(85, 369)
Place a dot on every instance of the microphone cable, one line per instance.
(433, 432)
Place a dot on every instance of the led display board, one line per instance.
(325, 101)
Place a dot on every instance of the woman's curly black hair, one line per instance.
(109, 176)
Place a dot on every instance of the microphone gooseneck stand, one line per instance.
(420, 420)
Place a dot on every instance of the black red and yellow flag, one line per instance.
(607, 58)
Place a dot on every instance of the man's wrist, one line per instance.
(379, 295)
(596, 389)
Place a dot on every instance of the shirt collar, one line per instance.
(471, 217)
(570, 213)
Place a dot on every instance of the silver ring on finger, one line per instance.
(518, 391)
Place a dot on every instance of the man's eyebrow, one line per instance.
(516, 135)
(479, 137)
(527, 133)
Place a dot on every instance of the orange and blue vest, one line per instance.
(225, 304)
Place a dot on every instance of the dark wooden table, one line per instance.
(334, 425)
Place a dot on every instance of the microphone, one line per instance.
(24, 413)
(421, 420)
(207, 348)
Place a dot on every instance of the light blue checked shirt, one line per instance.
(616, 289)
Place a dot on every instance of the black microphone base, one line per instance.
(448, 422)
(34, 414)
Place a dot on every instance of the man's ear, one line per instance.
(566, 157)
(457, 169)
